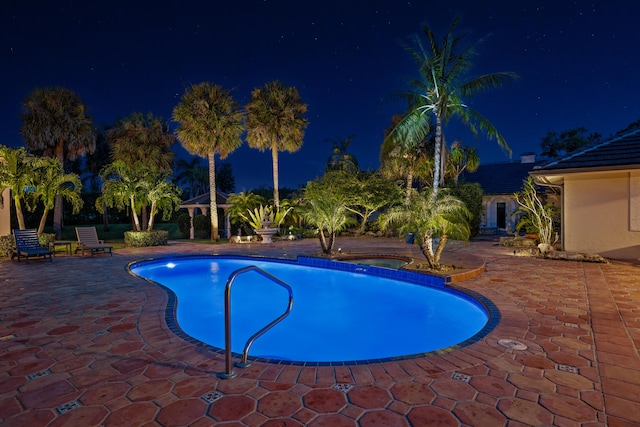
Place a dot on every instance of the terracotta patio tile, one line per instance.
(194, 387)
(332, 420)
(383, 419)
(531, 382)
(623, 409)
(84, 416)
(279, 404)
(132, 414)
(474, 413)
(50, 396)
(325, 400)
(492, 386)
(182, 412)
(9, 407)
(413, 393)
(431, 416)
(149, 390)
(288, 422)
(525, 411)
(453, 389)
(369, 396)
(569, 379)
(104, 392)
(568, 407)
(230, 408)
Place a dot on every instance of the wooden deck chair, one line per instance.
(88, 240)
(28, 245)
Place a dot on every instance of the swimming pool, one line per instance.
(357, 313)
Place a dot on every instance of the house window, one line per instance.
(501, 215)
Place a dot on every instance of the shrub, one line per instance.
(6, 246)
(138, 239)
(184, 224)
(202, 227)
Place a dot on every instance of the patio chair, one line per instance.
(28, 245)
(88, 240)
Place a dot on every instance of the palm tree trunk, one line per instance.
(409, 186)
(213, 206)
(19, 214)
(276, 192)
(134, 215)
(145, 218)
(57, 209)
(437, 158)
(440, 249)
(43, 221)
(151, 216)
(427, 250)
(105, 218)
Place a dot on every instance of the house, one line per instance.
(5, 212)
(599, 187)
(500, 181)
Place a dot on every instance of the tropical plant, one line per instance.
(49, 181)
(461, 158)
(145, 140)
(55, 124)
(405, 161)
(440, 92)
(192, 175)
(256, 217)
(535, 213)
(240, 204)
(210, 123)
(134, 186)
(326, 210)
(275, 121)
(340, 159)
(15, 174)
(443, 218)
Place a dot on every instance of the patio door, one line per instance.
(501, 215)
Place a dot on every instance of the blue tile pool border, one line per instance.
(417, 278)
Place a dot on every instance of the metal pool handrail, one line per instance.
(229, 373)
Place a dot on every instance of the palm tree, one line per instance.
(16, 174)
(445, 217)
(441, 90)
(193, 175)
(145, 140)
(240, 204)
(50, 181)
(211, 122)
(275, 121)
(55, 124)
(339, 159)
(461, 158)
(405, 161)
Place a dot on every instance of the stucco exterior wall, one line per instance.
(600, 211)
(5, 211)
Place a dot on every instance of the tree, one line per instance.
(133, 186)
(556, 144)
(240, 204)
(224, 178)
(275, 121)
(55, 124)
(210, 123)
(16, 174)
(535, 213)
(409, 162)
(440, 93)
(340, 159)
(445, 217)
(461, 158)
(326, 210)
(50, 181)
(193, 175)
(142, 140)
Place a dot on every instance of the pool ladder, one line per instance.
(229, 373)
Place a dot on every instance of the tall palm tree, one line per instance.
(461, 158)
(441, 90)
(55, 124)
(210, 123)
(275, 121)
(193, 175)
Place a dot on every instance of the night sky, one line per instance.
(578, 64)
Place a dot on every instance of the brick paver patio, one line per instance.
(83, 343)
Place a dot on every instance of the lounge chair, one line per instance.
(28, 245)
(88, 240)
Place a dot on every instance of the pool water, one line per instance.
(336, 316)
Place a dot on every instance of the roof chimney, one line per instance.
(528, 157)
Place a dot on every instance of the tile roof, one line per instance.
(623, 149)
(501, 178)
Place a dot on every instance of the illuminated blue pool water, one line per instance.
(336, 316)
